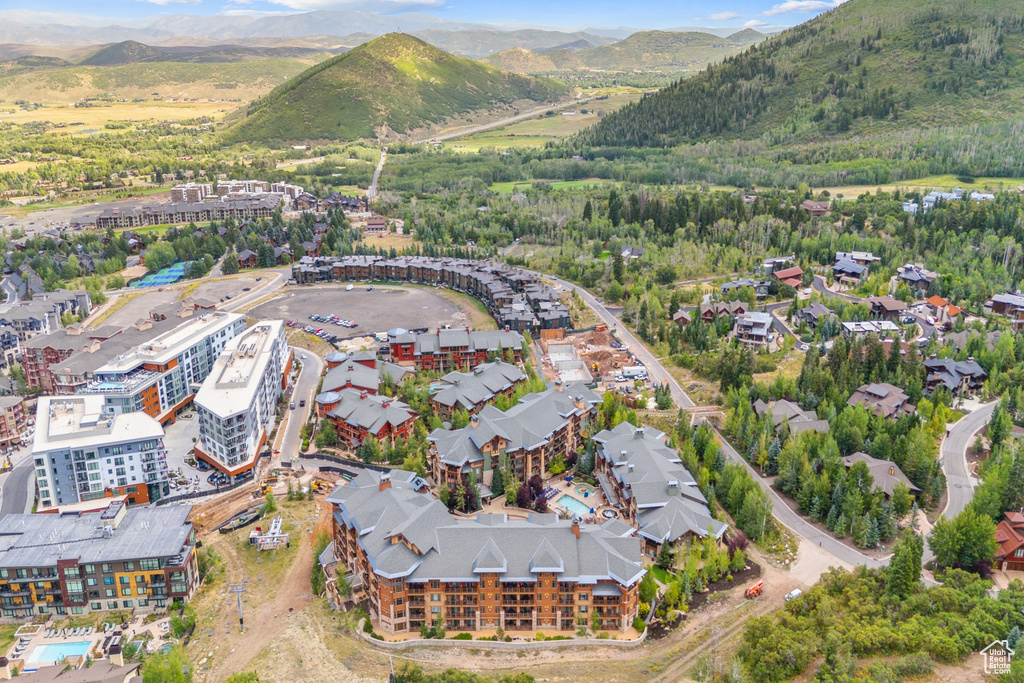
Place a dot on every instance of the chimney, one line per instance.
(351, 368)
(892, 471)
(630, 466)
(362, 395)
(558, 385)
(386, 403)
(638, 433)
(385, 482)
(474, 420)
(576, 527)
(116, 658)
(622, 455)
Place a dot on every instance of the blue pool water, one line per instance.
(572, 505)
(164, 277)
(45, 655)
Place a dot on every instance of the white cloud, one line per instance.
(723, 16)
(754, 23)
(372, 6)
(802, 7)
(172, 2)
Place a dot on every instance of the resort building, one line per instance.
(358, 415)
(12, 420)
(361, 371)
(471, 391)
(645, 478)
(530, 433)
(159, 377)
(237, 404)
(82, 453)
(415, 564)
(134, 559)
(462, 349)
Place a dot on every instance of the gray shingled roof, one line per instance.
(370, 412)
(467, 390)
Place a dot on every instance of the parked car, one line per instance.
(805, 347)
(794, 594)
(291, 406)
(909, 320)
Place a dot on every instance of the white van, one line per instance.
(794, 594)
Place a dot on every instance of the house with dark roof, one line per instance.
(529, 433)
(915, 277)
(815, 208)
(864, 258)
(644, 477)
(471, 391)
(886, 307)
(247, 258)
(798, 419)
(960, 377)
(415, 564)
(813, 314)
(754, 329)
(849, 272)
(359, 415)
(885, 474)
(883, 399)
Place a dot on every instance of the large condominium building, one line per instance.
(237, 403)
(459, 349)
(644, 477)
(416, 564)
(141, 559)
(12, 420)
(191, 192)
(82, 453)
(530, 433)
(160, 377)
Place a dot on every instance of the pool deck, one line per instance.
(36, 633)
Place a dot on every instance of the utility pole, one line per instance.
(238, 589)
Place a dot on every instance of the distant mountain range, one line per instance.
(647, 50)
(468, 39)
(387, 87)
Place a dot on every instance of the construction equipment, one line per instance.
(199, 523)
(265, 485)
(320, 485)
(6, 466)
(755, 590)
(596, 367)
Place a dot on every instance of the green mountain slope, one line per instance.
(394, 83)
(642, 51)
(128, 52)
(868, 66)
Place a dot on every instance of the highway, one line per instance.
(503, 122)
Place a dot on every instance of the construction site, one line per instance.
(586, 356)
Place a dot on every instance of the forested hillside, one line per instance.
(394, 83)
(868, 66)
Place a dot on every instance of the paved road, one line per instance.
(300, 162)
(959, 486)
(503, 122)
(17, 488)
(289, 439)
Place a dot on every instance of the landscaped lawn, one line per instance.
(660, 574)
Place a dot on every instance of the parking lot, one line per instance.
(378, 310)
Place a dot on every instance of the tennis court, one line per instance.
(168, 275)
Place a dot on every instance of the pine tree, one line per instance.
(665, 559)
(498, 483)
(903, 575)
(588, 212)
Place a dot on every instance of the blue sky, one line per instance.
(560, 13)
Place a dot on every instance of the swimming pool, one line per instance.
(46, 655)
(572, 505)
(585, 490)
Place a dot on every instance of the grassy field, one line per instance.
(536, 131)
(98, 116)
(936, 182)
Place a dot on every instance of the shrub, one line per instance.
(463, 636)
(367, 625)
(639, 624)
(644, 609)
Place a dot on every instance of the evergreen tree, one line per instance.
(498, 483)
(903, 575)
(665, 558)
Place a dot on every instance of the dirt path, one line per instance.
(266, 620)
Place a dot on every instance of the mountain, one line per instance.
(128, 52)
(393, 84)
(131, 52)
(522, 61)
(477, 43)
(658, 49)
(867, 66)
(642, 51)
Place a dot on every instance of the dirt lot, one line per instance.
(374, 311)
(595, 347)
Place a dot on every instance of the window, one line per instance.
(435, 610)
(125, 580)
(110, 592)
(1019, 553)
(108, 580)
(95, 606)
(112, 604)
(76, 610)
(141, 590)
(90, 569)
(435, 597)
(90, 582)
(147, 565)
(127, 604)
(126, 591)
(143, 602)
(129, 566)
(107, 568)
(583, 609)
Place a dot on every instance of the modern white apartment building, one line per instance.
(160, 377)
(237, 402)
(83, 453)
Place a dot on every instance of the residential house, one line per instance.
(798, 419)
(915, 277)
(644, 477)
(942, 309)
(862, 328)
(376, 226)
(849, 272)
(815, 208)
(960, 377)
(12, 420)
(886, 307)
(709, 311)
(682, 318)
(1010, 537)
(754, 329)
(883, 399)
(790, 276)
(813, 314)
(247, 258)
(885, 474)
(1005, 304)
(760, 287)
(863, 258)
(629, 252)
